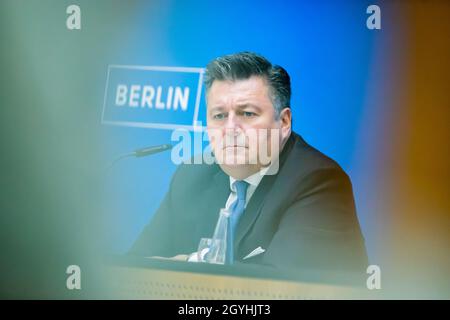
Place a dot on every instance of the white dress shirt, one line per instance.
(253, 182)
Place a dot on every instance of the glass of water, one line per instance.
(213, 250)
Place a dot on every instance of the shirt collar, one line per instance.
(252, 180)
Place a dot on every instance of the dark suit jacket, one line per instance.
(304, 216)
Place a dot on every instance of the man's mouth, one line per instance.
(235, 146)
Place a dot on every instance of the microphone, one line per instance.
(142, 152)
(151, 150)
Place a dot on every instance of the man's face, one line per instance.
(242, 123)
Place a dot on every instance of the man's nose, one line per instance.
(232, 124)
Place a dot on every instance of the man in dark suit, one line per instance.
(297, 210)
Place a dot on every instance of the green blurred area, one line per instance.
(51, 91)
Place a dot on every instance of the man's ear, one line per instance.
(286, 123)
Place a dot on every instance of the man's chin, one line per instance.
(238, 160)
(239, 171)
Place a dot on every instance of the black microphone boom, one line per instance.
(141, 153)
(151, 150)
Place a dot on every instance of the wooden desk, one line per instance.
(143, 278)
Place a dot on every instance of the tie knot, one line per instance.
(241, 189)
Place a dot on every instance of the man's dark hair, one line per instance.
(243, 65)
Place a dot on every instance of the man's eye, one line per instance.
(248, 114)
(218, 116)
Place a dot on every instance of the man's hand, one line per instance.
(179, 257)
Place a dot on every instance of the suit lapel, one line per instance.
(254, 207)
